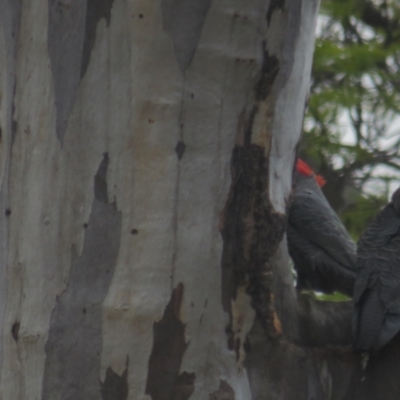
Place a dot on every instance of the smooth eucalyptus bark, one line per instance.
(146, 153)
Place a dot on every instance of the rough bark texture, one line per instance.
(145, 163)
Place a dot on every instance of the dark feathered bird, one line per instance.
(323, 253)
(377, 290)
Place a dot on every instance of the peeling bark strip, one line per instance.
(73, 349)
(251, 232)
(163, 379)
(115, 387)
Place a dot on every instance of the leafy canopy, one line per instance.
(352, 126)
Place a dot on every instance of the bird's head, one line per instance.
(305, 170)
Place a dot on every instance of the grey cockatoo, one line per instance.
(322, 250)
(377, 290)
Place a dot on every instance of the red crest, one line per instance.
(306, 170)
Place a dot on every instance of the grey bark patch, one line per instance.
(65, 36)
(73, 348)
(184, 20)
(115, 387)
(10, 17)
(95, 11)
(180, 149)
(163, 379)
(292, 36)
(224, 392)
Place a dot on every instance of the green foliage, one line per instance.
(359, 214)
(335, 296)
(350, 133)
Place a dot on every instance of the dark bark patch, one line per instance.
(115, 387)
(184, 20)
(163, 379)
(252, 230)
(251, 233)
(73, 348)
(95, 11)
(249, 126)
(274, 5)
(184, 387)
(180, 149)
(224, 392)
(100, 182)
(7, 212)
(65, 37)
(15, 330)
(269, 72)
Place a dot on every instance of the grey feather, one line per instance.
(377, 290)
(320, 246)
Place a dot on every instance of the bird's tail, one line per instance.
(370, 320)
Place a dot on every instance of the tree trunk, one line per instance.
(146, 159)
